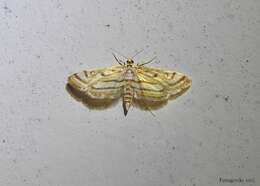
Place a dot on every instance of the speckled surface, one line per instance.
(211, 132)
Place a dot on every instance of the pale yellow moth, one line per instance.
(138, 85)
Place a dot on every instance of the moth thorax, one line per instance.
(129, 74)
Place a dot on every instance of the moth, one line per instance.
(136, 84)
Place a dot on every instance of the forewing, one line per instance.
(160, 84)
(103, 83)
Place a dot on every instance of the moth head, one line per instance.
(129, 62)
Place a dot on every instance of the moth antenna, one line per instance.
(119, 53)
(137, 53)
(118, 60)
(148, 61)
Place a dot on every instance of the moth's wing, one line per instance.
(160, 85)
(105, 83)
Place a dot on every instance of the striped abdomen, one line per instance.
(128, 94)
(128, 91)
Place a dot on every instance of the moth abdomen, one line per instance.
(128, 95)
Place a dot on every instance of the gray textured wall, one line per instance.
(211, 132)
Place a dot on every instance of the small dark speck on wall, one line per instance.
(7, 9)
(226, 98)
